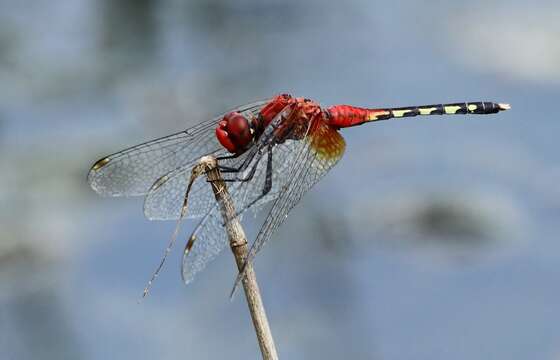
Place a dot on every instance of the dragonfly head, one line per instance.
(234, 132)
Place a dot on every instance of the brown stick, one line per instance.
(238, 244)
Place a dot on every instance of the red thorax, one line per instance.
(236, 133)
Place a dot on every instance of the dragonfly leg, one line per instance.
(246, 162)
(229, 169)
(248, 178)
(267, 183)
(242, 167)
(226, 157)
(268, 180)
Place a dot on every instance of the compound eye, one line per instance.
(234, 132)
(238, 125)
(224, 137)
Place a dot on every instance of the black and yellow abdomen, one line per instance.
(342, 116)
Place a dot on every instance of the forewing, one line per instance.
(133, 171)
(165, 199)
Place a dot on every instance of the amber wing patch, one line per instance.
(327, 141)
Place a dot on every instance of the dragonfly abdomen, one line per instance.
(345, 116)
(341, 116)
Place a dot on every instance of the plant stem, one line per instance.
(238, 244)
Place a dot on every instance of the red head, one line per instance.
(234, 132)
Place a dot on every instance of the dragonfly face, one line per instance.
(235, 133)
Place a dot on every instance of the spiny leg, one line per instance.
(267, 183)
(256, 153)
(230, 168)
(226, 157)
(242, 167)
(249, 176)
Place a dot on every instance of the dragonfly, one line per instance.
(272, 150)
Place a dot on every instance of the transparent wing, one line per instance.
(164, 202)
(209, 237)
(165, 199)
(321, 150)
(210, 234)
(133, 171)
(207, 241)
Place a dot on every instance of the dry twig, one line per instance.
(238, 244)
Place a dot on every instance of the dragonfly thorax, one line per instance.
(234, 132)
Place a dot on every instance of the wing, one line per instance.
(133, 171)
(206, 242)
(165, 199)
(322, 148)
(209, 237)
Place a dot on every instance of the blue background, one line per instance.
(433, 238)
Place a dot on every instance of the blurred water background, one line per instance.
(434, 238)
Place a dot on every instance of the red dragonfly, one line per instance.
(271, 150)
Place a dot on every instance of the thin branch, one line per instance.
(238, 244)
